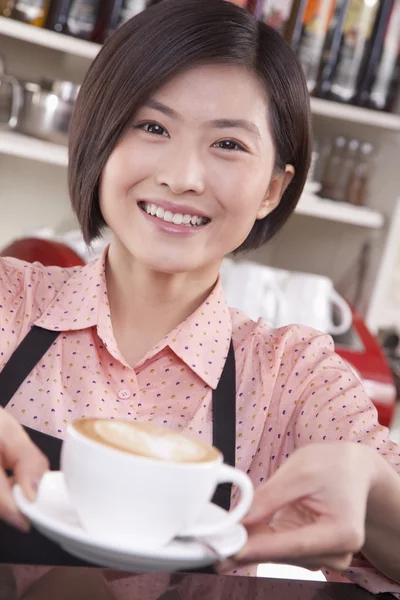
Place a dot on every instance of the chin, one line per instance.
(172, 267)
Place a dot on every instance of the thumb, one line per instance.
(29, 470)
(21, 456)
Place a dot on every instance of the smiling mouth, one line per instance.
(175, 218)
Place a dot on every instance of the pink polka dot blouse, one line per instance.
(292, 389)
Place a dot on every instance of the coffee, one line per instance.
(145, 440)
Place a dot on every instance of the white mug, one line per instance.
(283, 297)
(145, 502)
(310, 299)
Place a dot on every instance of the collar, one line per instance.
(201, 341)
(77, 305)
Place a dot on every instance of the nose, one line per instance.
(182, 171)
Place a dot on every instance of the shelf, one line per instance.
(15, 144)
(48, 39)
(347, 112)
(313, 206)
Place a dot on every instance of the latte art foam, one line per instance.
(146, 440)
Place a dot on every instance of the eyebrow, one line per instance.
(217, 123)
(166, 110)
(240, 123)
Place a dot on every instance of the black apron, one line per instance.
(35, 549)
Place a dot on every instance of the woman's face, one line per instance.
(186, 182)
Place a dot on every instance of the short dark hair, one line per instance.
(147, 51)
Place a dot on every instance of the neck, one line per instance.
(146, 305)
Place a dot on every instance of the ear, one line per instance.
(276, 189)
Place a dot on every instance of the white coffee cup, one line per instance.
(136, 484)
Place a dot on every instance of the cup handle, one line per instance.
(345, 311)
(227, 474)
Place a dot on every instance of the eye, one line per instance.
(229, 145)
(153, 128)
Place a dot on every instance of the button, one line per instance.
(124, 394)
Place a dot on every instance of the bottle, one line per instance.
(32, 12)
(357, 29)
(293, 26)
(374, 53)
(331, 49)
(345, 173)
(107, 21)
(395, 108)
(332, 167)
(58, 15)
(385, 77)
(315, 24)
(324, 151)
(393, 104)
(82, 18)
(357, 190)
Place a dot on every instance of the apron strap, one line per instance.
(224, 423)
(36, 549)
(32, 348)
(22, 362)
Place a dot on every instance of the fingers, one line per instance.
(8, 509)
(319, 539)
(20, 455)
(338, 562)
(276, 493)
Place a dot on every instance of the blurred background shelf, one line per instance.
(48, 39)
(314, 206)
(22, 146)
(355, 114)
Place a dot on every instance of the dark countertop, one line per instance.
(70, 584)
(215, 587)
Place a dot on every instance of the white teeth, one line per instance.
(177, 219)
(170, 217)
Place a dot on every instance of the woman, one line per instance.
(191, 140)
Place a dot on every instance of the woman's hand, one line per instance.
(19, 455)
(312, 511)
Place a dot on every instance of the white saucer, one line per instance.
(53, 515)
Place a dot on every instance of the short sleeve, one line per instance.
(324, 400)
(25, 291)
(332, 402)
